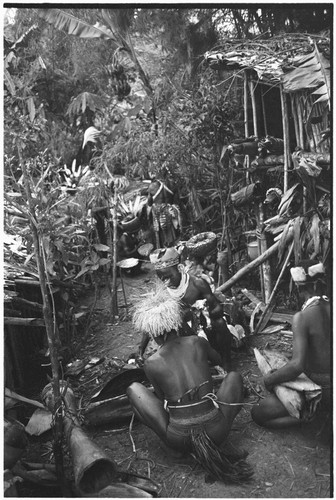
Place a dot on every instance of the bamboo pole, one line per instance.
(254, 108)
(114, 299)
(246, 103)
(285, 128)
(252, 265)
(51, 329)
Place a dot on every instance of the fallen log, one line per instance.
(252, 265)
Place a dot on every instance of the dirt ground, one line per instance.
(293, 463)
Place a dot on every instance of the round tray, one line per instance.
(131, 226)
(128, 263)
(202, 244)
(145, 249)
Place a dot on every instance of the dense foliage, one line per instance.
(143, 85)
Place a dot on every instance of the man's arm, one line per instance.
(297, 364)
(214, 306)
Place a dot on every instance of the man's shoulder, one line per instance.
(199, 283)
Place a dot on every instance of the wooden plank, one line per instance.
(24, 321)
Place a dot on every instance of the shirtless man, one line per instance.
(188, 289)
(166, 213)
(183, 410)
(311, 348)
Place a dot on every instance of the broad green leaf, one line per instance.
(31, 108)
(65, 21)
(83, 271)
(104, 262)
(313, 71)
(101, 248)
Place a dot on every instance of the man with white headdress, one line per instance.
(184, 411)
(188, 290)
(311, 347)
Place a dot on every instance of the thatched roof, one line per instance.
(277, 59)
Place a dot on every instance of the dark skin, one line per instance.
(311, 354)
(181, 364)
(220, 336)
(163, 197)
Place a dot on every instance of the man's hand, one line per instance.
(268, 381)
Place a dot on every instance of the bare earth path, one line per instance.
(292, 463)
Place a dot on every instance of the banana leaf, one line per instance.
(297, 241)
(300, 396)
(313, 71)
(287, 198)
(283, 241)
(65, 21)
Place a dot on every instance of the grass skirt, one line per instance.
(216, 462)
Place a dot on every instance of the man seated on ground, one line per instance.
(184, 411)
(311, 348)
(188, 289)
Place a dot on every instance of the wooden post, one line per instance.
(264, 112)
(285, 129)
(254, 109)
(246, 78)
(265, 266)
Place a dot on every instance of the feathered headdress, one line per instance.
(157, 312)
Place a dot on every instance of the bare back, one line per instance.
(316, 321)
(180, 365)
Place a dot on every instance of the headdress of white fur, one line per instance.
(157, 312)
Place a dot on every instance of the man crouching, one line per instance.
(183, 410)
